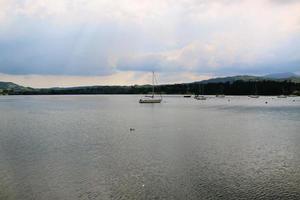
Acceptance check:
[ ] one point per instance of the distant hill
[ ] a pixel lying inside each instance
(275, 77)
(232, 79)
(10, 86)
(284, 75)
(234, 85)
(292, 79)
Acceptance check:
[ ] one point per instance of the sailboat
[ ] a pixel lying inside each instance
(282, 95)
(255, 95)
(200, 97)
(221, 95)
(151, 98)
(187, 94)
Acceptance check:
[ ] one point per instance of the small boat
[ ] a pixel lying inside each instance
(253, 96)
(282, 96)
(188, 93)
(151, 98)
(200, 97)
(221, 92)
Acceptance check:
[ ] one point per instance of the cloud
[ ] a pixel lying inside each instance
(104, 37)
(285, 1)
(220, 54)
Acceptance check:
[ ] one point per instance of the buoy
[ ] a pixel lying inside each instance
(266, 102)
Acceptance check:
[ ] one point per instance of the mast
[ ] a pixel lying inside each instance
(255, 88)
(152, 84)
(200, 89)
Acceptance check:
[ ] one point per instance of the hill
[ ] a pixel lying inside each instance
(232, 79)
(272, 77)
(284, 75)
(9, 87)
(235, 85)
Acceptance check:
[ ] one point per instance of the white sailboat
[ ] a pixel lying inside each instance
(187, 94)
(151, 98)
(282, 95)
(221, 95)
(255, 96)
(200, 97)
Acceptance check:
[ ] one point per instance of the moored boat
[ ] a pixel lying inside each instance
(282, 96)
(151, 98)
(253, 96)
(200, 97)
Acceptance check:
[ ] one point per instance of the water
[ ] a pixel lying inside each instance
(81, 147)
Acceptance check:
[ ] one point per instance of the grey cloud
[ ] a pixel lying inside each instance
(84, 44)
(284, 1)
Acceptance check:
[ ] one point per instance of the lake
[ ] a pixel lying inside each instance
(81, 147)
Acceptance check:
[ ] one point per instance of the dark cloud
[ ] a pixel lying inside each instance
(46, 48)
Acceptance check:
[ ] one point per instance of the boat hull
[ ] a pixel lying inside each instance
(200, 97)
(281, 96)
(150, 101)
(253, 96)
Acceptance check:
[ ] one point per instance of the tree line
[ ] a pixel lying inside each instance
(264, 87)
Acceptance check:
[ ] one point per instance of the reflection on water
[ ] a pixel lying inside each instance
(81, 147)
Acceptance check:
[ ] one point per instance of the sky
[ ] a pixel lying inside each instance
(61, 43)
